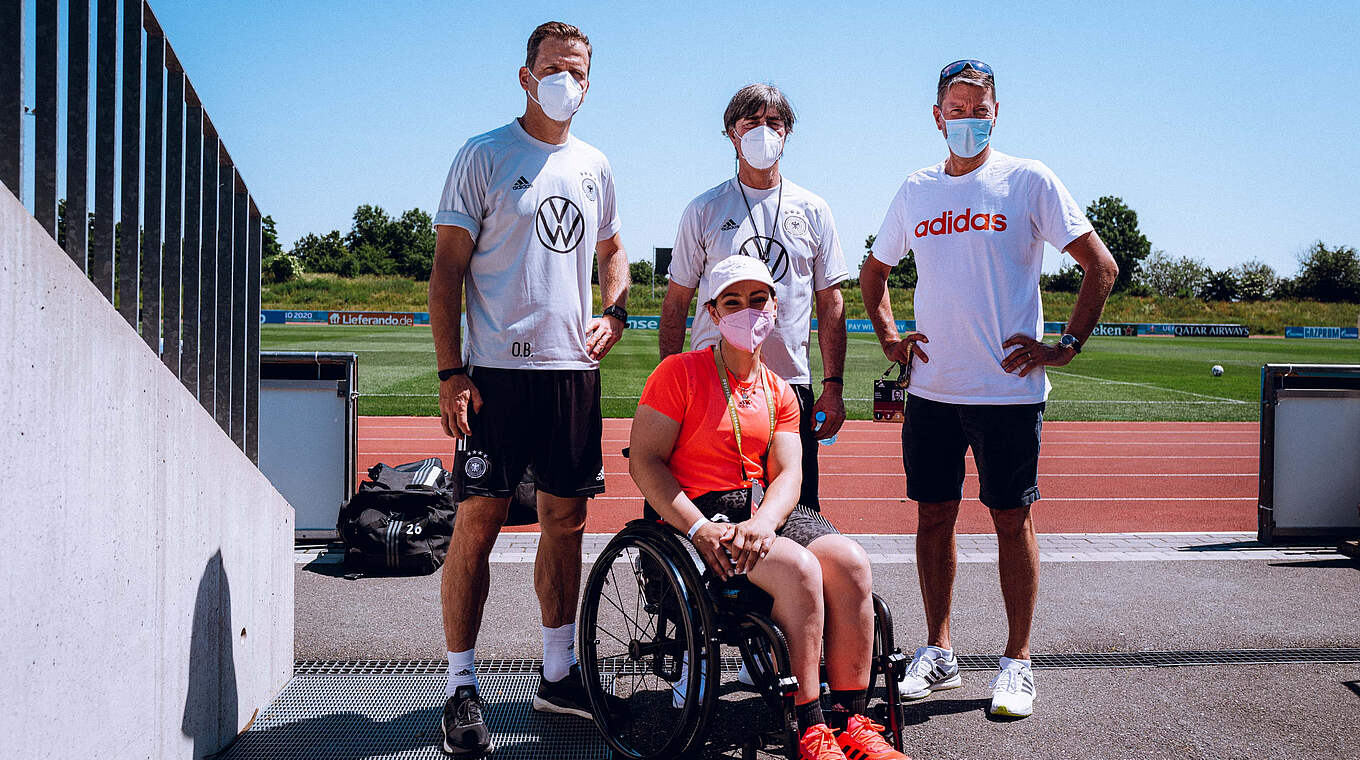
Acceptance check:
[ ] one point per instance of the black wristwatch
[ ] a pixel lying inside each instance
(445, 374)
(1070, 341)
(617, 312)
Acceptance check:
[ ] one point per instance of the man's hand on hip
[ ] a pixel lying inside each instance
(1032, 354)
(601, 335)
(831, 404)
(456, 396)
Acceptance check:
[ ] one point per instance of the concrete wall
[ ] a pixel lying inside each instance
(146, 563)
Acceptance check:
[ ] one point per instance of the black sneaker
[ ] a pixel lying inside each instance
(568, 696)
(465, 733)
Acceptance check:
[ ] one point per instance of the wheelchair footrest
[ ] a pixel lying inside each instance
(787, 686)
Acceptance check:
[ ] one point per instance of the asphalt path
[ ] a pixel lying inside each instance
(1239, 711)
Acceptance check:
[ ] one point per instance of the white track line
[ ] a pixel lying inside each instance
(1220, 399)
(1121, 499)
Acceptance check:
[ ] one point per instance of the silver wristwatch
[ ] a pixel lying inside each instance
(1070, 341)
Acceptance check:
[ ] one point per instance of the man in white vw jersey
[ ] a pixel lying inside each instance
(977, 223)
(761, 213)
(525, 209)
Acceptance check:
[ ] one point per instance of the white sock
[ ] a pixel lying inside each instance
(461, 671)
(1007, 662)
(559, 651)
(939, 654)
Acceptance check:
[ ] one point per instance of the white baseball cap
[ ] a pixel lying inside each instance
(734, 269)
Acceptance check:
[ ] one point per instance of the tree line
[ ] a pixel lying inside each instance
(1330, 274)
(378, 243)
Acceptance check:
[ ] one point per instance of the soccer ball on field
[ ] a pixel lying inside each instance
(1216, 370)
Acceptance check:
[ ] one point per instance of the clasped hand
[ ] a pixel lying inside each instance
(729, 549)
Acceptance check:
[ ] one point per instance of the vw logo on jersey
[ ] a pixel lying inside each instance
(559, 224)
(770, 251)
(589, 188)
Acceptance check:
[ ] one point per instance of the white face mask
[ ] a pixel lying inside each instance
(559, 95)
(761, 147)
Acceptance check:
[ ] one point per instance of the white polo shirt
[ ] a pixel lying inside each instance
(979, 246)
(800, 247)
(535, 211)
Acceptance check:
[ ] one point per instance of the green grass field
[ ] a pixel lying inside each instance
(326, 291)
(1113, 379)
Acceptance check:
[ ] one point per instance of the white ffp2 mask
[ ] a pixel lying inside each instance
(559, 95)
(761, 147)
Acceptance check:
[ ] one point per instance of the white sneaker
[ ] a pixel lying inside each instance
(744, 675)
(679, 688)
(1013, 690)
(928, 672)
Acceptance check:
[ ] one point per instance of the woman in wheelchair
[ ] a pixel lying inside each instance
(715, 450)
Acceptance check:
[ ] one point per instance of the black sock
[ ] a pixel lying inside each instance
(843, 704)
(809, 715)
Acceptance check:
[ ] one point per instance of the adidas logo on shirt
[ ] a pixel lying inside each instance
(521, 184)
(729, 225)
(950, 222)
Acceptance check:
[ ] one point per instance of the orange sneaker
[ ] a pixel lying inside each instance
(863, 739)
(818, 743)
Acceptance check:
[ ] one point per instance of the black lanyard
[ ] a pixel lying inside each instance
(732, 407)
(774, 226)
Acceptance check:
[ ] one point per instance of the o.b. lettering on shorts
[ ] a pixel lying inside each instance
(559, 224)
(476, 466)
(770, 251)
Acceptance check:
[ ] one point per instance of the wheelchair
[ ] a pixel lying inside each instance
(653, 622)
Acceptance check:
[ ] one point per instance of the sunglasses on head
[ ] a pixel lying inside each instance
(966, 63)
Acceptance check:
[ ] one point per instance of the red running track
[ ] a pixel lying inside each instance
(1095, 477)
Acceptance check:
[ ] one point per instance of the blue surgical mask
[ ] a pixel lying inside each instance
(967, 137)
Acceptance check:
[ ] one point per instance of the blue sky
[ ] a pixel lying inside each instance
(1224, 125)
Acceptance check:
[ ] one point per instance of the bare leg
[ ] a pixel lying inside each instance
(557, 566)
(847, 585)
(791, 575)
(936, 563)
(1018, 560)
(467, 574)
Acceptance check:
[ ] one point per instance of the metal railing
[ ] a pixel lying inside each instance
(175, 238)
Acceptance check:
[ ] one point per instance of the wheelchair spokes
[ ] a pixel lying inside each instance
(642, 641)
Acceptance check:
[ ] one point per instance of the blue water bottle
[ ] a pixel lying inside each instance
(821, 417)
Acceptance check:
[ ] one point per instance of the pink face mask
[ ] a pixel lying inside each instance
(746, 329)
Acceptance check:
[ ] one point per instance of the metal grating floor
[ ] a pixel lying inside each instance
(352, 715)
(966, 661)
(1173, 659)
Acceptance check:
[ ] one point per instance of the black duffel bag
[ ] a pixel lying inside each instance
(400, 521)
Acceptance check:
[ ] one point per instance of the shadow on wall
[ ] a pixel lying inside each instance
(211, 704)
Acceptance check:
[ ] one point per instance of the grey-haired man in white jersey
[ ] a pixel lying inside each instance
(761, 213)
(525, 209)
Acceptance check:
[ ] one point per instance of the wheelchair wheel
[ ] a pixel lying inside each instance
(645, 637)
(887, 660)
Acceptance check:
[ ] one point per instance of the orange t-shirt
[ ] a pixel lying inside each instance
(685, 387)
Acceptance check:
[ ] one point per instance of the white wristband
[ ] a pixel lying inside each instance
(701, 522)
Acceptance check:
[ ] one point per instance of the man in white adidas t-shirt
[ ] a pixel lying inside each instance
(977, 223)
(525, 209)
(761, 213)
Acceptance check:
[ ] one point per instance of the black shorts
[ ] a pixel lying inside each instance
(547, 418)
(1005, 443)
(803, 525)
(807, 497)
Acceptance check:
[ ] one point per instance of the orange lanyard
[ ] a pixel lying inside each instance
(732, 407)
